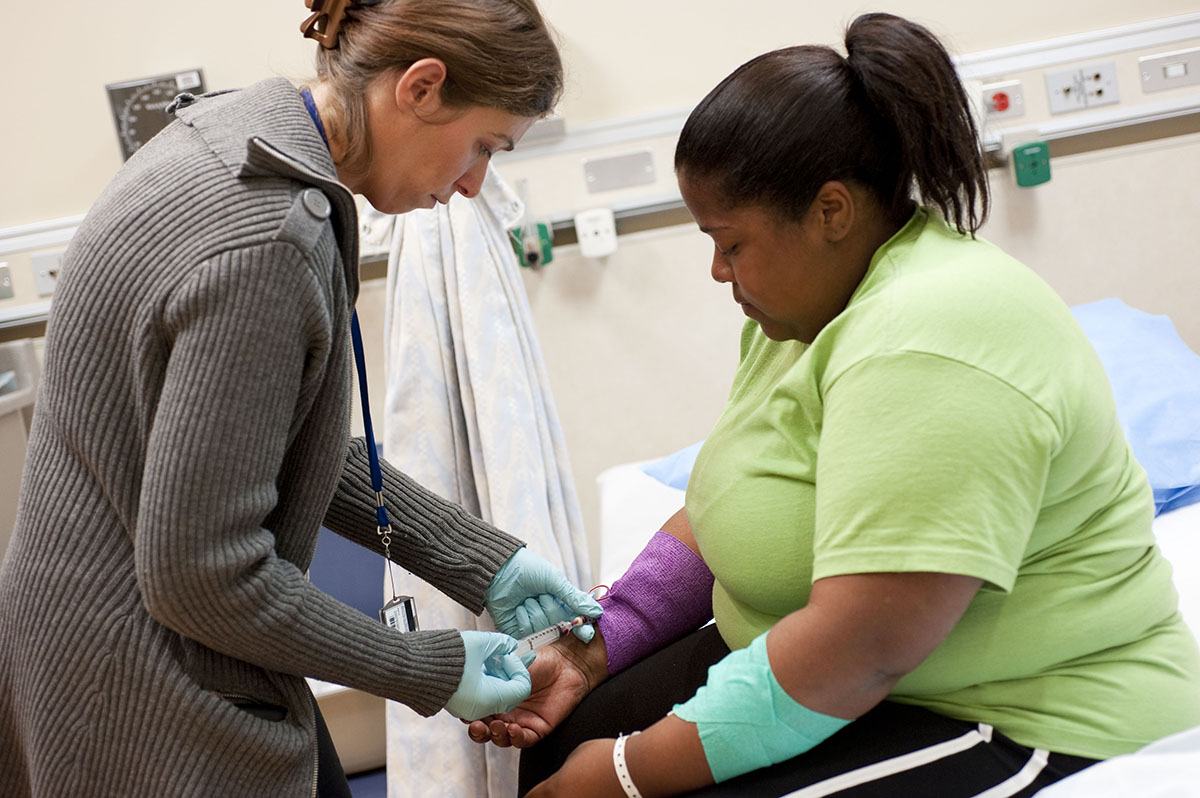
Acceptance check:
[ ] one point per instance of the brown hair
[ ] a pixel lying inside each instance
(498, 53)
(891, 115)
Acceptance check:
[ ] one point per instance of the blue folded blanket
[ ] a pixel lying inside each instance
(1156, 383)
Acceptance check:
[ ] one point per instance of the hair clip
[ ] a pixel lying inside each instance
(326, 19)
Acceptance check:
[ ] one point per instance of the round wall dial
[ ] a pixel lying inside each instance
(139, 106)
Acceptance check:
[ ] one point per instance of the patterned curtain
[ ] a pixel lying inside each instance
(469, 415)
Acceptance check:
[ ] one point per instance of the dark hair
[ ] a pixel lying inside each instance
(498, 54)
(891, 115)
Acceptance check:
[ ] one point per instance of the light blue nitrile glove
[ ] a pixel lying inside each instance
(529, 594)
(494, 679)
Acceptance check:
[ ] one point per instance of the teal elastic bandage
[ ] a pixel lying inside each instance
(745, 718)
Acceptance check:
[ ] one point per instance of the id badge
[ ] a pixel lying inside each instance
(400, 614)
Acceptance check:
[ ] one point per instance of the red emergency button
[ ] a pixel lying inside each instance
(1000, 102)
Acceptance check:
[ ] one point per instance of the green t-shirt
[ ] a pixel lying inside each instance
(954, 419)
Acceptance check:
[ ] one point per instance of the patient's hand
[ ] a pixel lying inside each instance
(563, 673)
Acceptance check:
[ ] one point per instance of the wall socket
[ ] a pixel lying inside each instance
(46, 266)
(1100, 84)
(1085, 87)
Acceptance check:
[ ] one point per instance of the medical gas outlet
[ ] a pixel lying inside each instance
(1005, 100)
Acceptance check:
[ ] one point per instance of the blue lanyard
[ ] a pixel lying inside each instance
(360, 363)
(381, 515)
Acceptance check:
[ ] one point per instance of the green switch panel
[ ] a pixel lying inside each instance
(1032, 163)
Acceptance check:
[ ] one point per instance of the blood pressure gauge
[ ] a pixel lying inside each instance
(139, 106)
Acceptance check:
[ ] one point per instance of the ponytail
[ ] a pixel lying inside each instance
(891, 116)
(910, 81)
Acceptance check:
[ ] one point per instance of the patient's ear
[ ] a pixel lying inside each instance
(835, 211)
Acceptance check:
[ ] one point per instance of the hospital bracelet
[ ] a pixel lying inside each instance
(631, 790)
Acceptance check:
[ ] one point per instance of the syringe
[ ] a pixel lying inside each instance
(530, 645)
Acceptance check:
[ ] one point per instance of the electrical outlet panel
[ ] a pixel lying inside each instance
(1003, 100)
(1086, 87)
(46, 266)
(1170, 70)
(1064, 90)
(6, 286)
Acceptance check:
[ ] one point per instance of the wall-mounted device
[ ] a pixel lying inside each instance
(1031, 163)
(596, 230)
(532, 240)
(139, 106)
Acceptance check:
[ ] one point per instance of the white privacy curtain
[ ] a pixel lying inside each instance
(469, 415)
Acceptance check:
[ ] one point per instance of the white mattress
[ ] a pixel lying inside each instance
(1178, 534)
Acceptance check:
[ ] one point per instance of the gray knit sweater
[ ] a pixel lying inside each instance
(191, 435)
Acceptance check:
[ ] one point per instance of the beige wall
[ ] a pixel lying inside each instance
(673, 51)
(1113, 222)
(624, 57)
(640, 348)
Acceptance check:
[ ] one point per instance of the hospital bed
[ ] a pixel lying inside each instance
(633, 505)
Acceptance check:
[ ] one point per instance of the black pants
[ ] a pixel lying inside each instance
(893, 750)
(331, 779)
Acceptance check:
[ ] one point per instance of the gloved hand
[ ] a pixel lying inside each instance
(494, 679)
(529, 594)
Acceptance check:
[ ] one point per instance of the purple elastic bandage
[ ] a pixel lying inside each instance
(666, 593)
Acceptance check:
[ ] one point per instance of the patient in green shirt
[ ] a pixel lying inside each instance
(925, 537)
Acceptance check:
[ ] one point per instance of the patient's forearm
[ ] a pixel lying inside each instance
(860, 634)
(665, 594)
(668, 759)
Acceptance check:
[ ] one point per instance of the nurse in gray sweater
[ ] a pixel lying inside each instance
(192, 432)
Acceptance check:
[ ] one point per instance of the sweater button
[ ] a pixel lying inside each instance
(316, 203)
